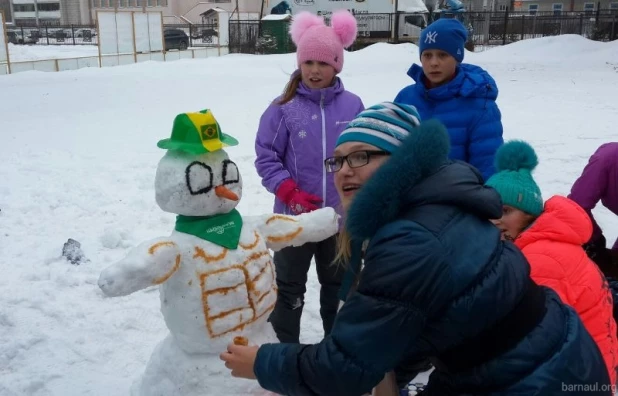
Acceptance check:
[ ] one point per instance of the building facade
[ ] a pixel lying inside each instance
(533, 6)
(84, 12)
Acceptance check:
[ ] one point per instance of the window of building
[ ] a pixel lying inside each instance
(557, 8)
(23, 7)
(502, 7)
(49, 6)
(588, 8)
(533, 8)
(613, 6)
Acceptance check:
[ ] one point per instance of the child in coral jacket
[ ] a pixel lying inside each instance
(551, 238)
(297, 133)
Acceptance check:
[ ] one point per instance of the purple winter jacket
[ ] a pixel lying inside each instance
(294, 139)
(599, 182)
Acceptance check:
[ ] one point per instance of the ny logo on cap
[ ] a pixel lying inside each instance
(431, 37)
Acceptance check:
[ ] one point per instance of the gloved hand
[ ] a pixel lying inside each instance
(297, 200)
(605, 259)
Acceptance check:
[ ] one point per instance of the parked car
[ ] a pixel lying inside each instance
(175, 39)
(17, 37)
(85, 35)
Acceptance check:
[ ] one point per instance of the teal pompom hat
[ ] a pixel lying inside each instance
(513, 180)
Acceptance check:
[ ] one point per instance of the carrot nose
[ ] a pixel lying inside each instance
(223, 192)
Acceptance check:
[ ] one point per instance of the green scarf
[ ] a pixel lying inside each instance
(223, 230)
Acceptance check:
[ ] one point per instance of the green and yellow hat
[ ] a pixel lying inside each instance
(197, 133)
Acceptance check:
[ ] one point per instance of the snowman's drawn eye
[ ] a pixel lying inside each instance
(199, 178)
(230, 172)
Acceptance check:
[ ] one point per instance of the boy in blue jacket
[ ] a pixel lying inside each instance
(461, 96)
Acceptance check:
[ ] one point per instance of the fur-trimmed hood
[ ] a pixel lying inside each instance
(420, 173)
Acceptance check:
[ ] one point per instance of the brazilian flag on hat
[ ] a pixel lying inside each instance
(197, 133)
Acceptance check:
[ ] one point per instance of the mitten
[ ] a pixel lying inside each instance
(297, 200)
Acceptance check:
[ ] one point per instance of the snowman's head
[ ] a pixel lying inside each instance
(197, 185)
(196, 177)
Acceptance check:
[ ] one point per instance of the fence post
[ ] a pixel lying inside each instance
(396, 26)
(506, 25)
(534, 27)
(191, 34)
(581, 25)
(613, 36)
(523, 26)
(486, 28)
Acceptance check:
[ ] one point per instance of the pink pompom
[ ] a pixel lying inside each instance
(301, 23)
(344, 25)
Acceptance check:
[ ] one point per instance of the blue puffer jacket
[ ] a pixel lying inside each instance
(467, 106)
(436, 273)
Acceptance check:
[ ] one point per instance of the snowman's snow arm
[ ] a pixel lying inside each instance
(150, 263)
(282, 231)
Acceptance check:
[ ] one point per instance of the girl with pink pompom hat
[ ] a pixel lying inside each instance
(297, 132)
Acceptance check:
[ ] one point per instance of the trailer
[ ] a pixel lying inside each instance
(376, 18)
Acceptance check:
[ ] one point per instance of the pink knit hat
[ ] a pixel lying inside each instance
(317, 42)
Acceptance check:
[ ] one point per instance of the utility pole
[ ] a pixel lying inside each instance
(36, 12)
(12, 12)
(396, 27)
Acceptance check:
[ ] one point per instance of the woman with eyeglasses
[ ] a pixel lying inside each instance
(437, 282)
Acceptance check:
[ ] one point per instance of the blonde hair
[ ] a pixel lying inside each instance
(290, 89)
(344, 248)
(344, 242)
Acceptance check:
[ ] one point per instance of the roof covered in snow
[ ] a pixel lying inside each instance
(213, 10)
(411, 6)
(277, 17)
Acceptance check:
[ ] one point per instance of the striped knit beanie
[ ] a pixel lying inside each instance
(384, 125)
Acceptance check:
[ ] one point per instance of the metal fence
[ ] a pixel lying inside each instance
(53, 35)
(491, 28)
(244, 36)
(197, 35)
(485, 28)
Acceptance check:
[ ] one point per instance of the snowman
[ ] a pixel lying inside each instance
(215, 272)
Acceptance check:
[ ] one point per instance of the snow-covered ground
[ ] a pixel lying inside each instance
(23, 53)
(78, 159)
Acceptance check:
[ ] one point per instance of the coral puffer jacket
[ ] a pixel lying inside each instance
(552, 245)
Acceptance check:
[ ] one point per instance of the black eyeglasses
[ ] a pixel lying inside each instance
(355, 159)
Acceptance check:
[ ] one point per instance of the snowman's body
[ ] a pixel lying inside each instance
(230, 290)
(214, 295)
(209, 293)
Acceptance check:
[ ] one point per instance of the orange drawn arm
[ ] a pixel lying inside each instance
(150, 263)
(281, 231)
